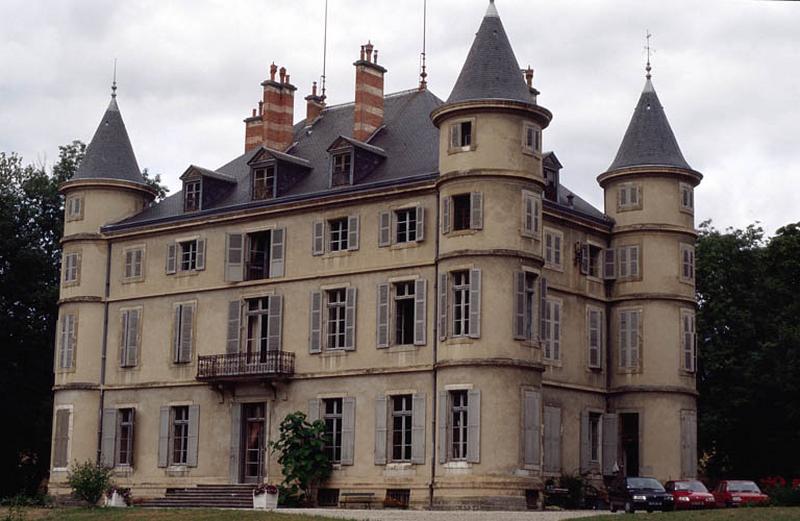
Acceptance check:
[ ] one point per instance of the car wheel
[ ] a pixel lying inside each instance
(629, 507)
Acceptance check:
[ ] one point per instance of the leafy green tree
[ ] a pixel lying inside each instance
(89, 481)
(303, 459)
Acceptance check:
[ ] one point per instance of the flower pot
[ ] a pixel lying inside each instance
(116, 500)
(265, 501)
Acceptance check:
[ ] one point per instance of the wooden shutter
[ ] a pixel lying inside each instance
(186, 340)
(200, 260)
(194, 431)
(552, 439)
(441, 430)
(536, 202)
(519, 306)
(68, 339)
(352, 232)
(624, 339)
(475, 303)
(132, 337)
(688, 444)
(382, 314)
(109, 438)
(634, 271)
(275, 323)
(163, 437)
(234, 257)
(350, 320)
(624, 268)
(595, 336)
(381, 424)
(586, 448)
(128, 270)
(62, 342)
(348, 429)
(442, 326)
(277, 253)
(542, 309)
(313, 410)
(61, 441)
(531, 427)
(236, 436)
(384, 229)
(420, 224)
(585, 253)
(318, 239)
(315, 328)
(455, 135)
(556, 325)
(474, 426)
(418, 429)
(420, 312)
(234, 316)
(527, 214)
(609, 264)
(446, 212)
(610, 440)
(636, 338)
(171, 258)
(476, 211)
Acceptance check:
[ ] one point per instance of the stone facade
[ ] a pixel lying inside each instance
(482, 330)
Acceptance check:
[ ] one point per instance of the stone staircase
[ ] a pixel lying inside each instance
(205, 496)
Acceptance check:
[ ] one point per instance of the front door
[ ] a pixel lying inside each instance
(254, 432)
(629, 442)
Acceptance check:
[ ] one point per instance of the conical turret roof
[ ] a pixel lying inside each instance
(649, 140)
(110, 154)
(491, 70)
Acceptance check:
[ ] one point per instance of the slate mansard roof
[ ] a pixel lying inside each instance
(649, 140)
(110, 154)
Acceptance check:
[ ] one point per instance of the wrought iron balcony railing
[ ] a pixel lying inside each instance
(245, 366)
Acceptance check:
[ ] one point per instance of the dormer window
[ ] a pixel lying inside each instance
(192, 195)
(264, 182)
(461, 135)
(341, 168)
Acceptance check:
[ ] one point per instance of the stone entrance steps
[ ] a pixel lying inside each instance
(205, 496)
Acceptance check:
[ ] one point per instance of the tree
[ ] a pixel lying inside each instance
(303, 459)
(89, 481)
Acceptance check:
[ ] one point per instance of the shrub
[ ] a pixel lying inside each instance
(783, 496)
(89, 481)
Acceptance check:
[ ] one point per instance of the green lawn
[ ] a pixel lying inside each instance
(722, 514)
(151, 514)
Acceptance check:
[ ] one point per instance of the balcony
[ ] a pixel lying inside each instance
(273, 365)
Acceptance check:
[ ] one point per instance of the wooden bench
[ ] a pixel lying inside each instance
(356, 498)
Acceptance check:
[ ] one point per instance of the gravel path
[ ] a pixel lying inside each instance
(444, 515)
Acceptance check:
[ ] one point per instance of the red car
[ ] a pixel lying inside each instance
(690, 493)
(736, 492)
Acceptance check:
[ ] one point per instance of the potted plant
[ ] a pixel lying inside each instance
(265, 497)
(118, 496)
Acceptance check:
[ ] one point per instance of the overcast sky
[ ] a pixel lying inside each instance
(727, 73)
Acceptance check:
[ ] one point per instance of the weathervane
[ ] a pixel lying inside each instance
(114, 82)
(422, 72)
(648, 68)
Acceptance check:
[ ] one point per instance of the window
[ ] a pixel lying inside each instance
(461, 212)
(264, 182)
(687, 263)
(337, 234)
(72, 268)
(186, 255)
(591, 258)
(67, 341)
(192, 195)
(258, 255)
(458, 424)
(61, 437)
(552, 248)
(628, 261)
(629, 197)
(595, 441)
(188, 260)
(130, 335)
(687, 197)
(531, 213)
(532, 138)
(183, 333)
(336, 318)
(552, 439)
(461, 135)
(404, 313)
(401, 427)
(341, 167)
(74, 208)
(180, 435)
(552, 329)
(406, 230)
(134, 261)
(594, 328)
(332, 416)
(629, 338)
(461, 289)
(688, 341)
(525, 305)
(125, 419)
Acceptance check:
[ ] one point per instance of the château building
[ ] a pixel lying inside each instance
(412, 271)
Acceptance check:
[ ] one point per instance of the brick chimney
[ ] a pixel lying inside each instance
(368, 111)
(271, 125)
(314, 104)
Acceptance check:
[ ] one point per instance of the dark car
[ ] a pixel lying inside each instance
(739, 492)
(690, 493)
(632, 494)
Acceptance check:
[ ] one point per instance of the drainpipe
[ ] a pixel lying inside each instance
(432, 484)
(104, 350)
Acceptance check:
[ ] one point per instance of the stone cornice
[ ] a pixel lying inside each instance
(692, 177)
(491, 362)
(654, 296)
(78, 300)
(654, 227)
(536, 112)
(76, 386)
(493, 252)
(671, 389)
(86, 236)
(108, 183)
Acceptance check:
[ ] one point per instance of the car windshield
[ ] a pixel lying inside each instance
(645, 484)
(693, 486)
(742, 486)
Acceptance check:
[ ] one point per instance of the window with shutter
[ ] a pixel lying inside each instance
(629, 197)
(687, 263)
(629, 338)
(61, 438)
(129, 337)
(332, 416)
(125, 431)
(594, 327)
(628, 261)
(71, 268)
(405, 225)
(461, 136)
(401, 425)
(531, 213)
(338, 234)
(74, 208)
(531, 427)
(552, 329)
(67, 341)
(183, 332)
(553, 240)
(384, 229)
(133, 269)
(179, 435)
(688, 341)
(552, 439)
(459, 432)
(686, 197)
(186, 256)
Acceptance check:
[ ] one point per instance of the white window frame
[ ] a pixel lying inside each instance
(407, 430)
(684, 250)
(688, 340)
(553, 257)
(197, 194)
(340, 320)
(133, 276)
(337, 417)
(410, 225)
(625, 193)
(342, 243)
(269, 181)
(552, 341)
(686, 188)
(464, 289)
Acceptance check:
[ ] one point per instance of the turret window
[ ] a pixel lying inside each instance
(192, 196)
(264, 182)
(630, 338)
(531, 213)
(629, 197)
(687, 197)
(531, 139)
(687, 263)
(462, 212)
(551, 327)
(688, 341)
(462, 136)
(628, 260)
(72, 268)
(74, 208)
